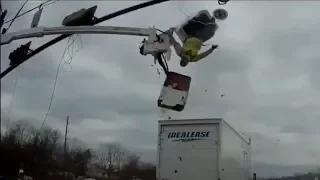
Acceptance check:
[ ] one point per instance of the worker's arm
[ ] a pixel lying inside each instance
(204, 54)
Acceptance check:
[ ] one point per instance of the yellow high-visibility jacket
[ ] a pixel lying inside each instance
(191, 47)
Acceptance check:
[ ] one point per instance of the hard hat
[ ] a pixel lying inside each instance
(220, 14)
(21, 171)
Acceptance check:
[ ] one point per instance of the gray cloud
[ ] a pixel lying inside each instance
(266, 67)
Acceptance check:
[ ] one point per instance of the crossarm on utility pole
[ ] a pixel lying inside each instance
(43, 31)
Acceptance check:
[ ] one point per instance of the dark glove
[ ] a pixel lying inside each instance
(214, 46)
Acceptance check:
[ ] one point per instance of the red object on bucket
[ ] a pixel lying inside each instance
(178, 81)
(176, 85)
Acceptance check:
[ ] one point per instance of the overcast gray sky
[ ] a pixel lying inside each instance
(267, 66)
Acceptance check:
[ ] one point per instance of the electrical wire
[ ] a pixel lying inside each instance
(15, 17)
(68, 61)
(12, 97)
(67, 48)
(71, 50)
(9, 14)
(162, 60)
(39, 6)
(2, 15)
(94, 22)
(52, 95)
(165, 61)
(76, 40)
(56, 79)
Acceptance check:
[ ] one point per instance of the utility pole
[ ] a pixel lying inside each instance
(65, 148)
(65, 137)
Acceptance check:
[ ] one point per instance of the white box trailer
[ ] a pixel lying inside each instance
(202, 149)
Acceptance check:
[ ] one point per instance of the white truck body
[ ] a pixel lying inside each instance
(202, 149)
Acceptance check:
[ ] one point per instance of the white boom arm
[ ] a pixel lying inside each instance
(151, 46)
(43, 31)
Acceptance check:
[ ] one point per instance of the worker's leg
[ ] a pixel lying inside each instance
(177, 47)
(197, 22)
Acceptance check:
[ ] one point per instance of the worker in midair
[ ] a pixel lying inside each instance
(197, 30)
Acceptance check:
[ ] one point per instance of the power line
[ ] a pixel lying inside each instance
(11, 102)
(11, 13)
(71, 52)
(54, 89)
(94, 22)
(52, 95)
(39, 6)
(15, 17)
(55, 85)
(2, 15)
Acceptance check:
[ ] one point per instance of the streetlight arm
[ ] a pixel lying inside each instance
(153, 45)
(67, 30)
(94, 22)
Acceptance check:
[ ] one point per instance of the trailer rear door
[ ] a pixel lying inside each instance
(188, 152)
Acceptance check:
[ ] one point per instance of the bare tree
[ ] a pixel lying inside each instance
(74, 143)
(19, 133)
(120, 154)
(110, 157)
(133, 161)
(131, 168)
(39, 154)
